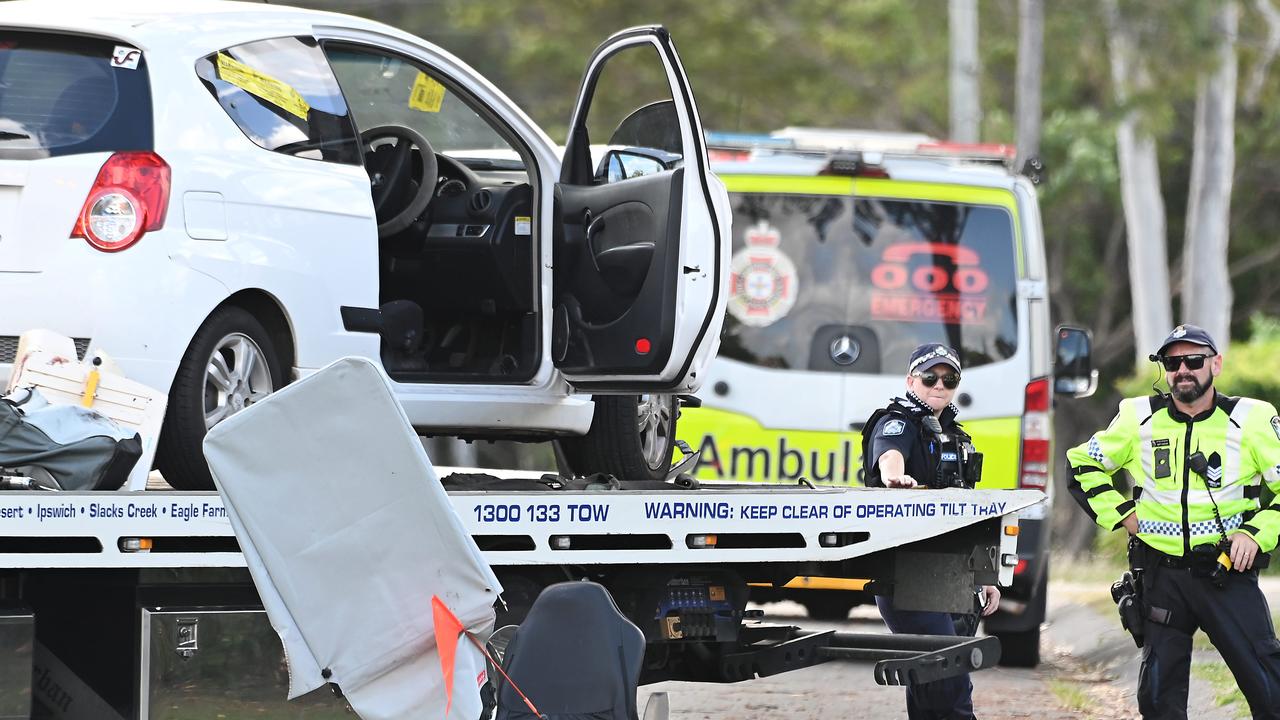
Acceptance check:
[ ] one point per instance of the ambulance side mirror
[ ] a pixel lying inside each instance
(1073, 371)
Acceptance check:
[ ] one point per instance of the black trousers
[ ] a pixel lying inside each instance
(949, 699)
(1236, 619)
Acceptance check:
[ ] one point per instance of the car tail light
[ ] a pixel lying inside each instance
(129, 198)
(1034, 470)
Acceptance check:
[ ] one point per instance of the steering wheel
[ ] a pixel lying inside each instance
(391, 175)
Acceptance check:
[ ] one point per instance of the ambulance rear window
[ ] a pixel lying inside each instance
(64, 95)
(839, 284)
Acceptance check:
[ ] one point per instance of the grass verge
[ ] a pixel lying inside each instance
(1071, 695)
(1225, 691)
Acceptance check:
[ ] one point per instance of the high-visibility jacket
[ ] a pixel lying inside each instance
(1239, 439)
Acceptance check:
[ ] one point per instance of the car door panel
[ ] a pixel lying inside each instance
(616, 255)
(638, 263)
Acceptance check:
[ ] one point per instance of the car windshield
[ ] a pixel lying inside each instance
(61, 96)
(891, 274)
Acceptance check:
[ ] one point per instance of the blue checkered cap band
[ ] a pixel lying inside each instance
(928, 355)
(1207, 527)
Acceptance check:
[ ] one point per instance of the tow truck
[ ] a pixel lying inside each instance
(138, 604)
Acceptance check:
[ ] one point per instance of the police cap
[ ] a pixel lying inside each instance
(930, 354)
(1193, 334)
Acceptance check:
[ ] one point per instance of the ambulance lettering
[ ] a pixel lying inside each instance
(783, 462)
(946, 289)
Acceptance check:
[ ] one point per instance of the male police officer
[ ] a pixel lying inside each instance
(916, 441)
(1198, 459)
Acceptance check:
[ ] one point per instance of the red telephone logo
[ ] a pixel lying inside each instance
(893, 273)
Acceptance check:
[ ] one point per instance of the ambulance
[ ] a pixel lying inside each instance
(849, 250)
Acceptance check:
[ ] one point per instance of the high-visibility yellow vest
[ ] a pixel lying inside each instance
(1239, 439)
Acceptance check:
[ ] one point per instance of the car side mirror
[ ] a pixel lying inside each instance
(619, 165)
(1073, 371)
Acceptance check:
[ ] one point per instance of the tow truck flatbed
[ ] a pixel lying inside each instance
(712, 524)
(155, 583)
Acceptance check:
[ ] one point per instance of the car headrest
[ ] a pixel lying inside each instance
(574, 654)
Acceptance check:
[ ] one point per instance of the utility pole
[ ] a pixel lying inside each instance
(1027, 113)
(966, 103)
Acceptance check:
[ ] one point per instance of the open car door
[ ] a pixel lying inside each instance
(642, 227)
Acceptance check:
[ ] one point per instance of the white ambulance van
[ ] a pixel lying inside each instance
(849, 250)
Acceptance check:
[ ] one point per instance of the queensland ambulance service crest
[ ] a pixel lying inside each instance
(762, 278)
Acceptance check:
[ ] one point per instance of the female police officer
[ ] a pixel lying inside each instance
(915, 441)
(1198, 459)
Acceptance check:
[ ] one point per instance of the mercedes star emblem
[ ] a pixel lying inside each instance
(845, 350)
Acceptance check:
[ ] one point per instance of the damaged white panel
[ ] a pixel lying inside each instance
(348, 533)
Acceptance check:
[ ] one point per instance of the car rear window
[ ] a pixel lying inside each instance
(64, 95)
(284, 97)
(891, 274)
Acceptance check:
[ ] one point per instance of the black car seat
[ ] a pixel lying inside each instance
(575, 656)
(403, 333)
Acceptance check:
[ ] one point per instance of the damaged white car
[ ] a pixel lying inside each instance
(230, 196)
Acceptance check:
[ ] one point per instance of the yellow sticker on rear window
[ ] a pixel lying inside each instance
(427, 94)
(264, 86)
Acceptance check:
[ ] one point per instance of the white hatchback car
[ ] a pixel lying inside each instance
(227, 196)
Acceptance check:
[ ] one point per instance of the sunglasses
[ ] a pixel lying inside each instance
(1172, 362)
(950, 381)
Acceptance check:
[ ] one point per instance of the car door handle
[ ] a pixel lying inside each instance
(594, 225)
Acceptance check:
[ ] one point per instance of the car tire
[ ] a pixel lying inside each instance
(229, 364)
(1020, 649)
(829, 605)
(632, 437)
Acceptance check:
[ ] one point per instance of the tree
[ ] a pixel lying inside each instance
(966, 101)
(1140, 189)
(1206, 286)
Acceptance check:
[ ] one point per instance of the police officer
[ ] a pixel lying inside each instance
(916, 441)
(1198, 459)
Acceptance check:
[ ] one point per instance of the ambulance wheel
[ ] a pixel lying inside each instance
(229, 365)
(829, 605)
(632, 437)
(1020, 649)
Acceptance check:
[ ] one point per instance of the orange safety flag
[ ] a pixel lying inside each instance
(447, 628)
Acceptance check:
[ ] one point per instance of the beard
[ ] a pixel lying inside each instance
(1191, 393)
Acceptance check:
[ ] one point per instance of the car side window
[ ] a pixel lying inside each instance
(632, 124)
(384, 89)
(284, 97)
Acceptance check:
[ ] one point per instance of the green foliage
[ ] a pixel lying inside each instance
(1248, 366)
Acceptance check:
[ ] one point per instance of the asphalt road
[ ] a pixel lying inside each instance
(1089, 670)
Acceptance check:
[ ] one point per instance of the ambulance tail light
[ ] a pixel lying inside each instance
(1033, 471)
(129, 198)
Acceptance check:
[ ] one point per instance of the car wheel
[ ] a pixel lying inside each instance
(632, 437)
(229, 365)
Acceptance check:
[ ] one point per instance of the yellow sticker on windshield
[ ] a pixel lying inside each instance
(427, 94)
(264, 86)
